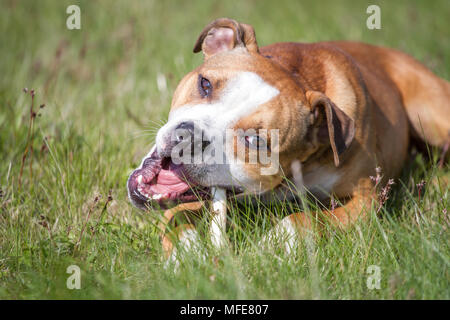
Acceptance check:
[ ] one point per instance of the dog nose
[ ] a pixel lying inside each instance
(185, 128)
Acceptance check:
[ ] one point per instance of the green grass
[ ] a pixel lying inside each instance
(102, 106)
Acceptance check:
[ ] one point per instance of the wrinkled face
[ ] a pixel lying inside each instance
(235, 123)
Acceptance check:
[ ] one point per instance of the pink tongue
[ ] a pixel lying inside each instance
(168, 182)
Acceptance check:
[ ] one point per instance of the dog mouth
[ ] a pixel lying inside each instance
(161, 183)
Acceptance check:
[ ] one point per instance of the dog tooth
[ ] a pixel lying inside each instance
(140, 178)
(157, 196)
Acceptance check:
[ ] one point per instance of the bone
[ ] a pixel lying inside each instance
(219, 219)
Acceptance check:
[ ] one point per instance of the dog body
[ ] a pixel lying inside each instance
(340, 109)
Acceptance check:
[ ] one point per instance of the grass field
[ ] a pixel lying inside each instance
(107, 87)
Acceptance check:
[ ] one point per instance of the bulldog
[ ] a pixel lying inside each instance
(337, 110)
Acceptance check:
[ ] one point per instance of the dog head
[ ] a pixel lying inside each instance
(236, 122)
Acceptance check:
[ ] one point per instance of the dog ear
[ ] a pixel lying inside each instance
(339, 128)
(225, 34)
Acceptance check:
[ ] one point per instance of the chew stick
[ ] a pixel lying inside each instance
(219, 218)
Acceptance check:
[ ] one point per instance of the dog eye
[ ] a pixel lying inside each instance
(255, 142)
(204, 86)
